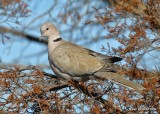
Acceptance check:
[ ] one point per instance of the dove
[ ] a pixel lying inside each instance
(72, 61)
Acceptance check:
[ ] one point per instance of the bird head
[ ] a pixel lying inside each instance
(48, 30)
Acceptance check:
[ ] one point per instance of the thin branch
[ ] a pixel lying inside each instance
(59, 87)
(50, 75)
(18, 33)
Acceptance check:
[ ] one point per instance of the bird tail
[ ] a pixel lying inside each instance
(119, 80)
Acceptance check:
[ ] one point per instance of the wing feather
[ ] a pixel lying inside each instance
(75, 60)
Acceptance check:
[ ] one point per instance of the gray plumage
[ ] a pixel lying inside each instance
(71, 61)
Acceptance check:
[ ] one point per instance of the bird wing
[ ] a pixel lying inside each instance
(74, 60)
(110, 59)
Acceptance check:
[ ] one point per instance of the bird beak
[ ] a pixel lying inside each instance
(42, 36)
(42, 33)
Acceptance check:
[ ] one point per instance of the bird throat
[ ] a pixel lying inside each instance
(53, 43)
(57, 40)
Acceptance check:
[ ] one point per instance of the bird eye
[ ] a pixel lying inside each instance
(47, 28)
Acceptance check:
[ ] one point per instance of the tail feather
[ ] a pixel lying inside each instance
(120, 80)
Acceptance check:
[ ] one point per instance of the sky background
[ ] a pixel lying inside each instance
(19, 50)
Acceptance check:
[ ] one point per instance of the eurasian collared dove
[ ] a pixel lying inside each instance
(71, 61)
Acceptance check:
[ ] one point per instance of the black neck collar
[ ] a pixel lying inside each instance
(58, 39)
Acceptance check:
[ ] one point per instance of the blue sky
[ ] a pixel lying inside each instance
(19, 50)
